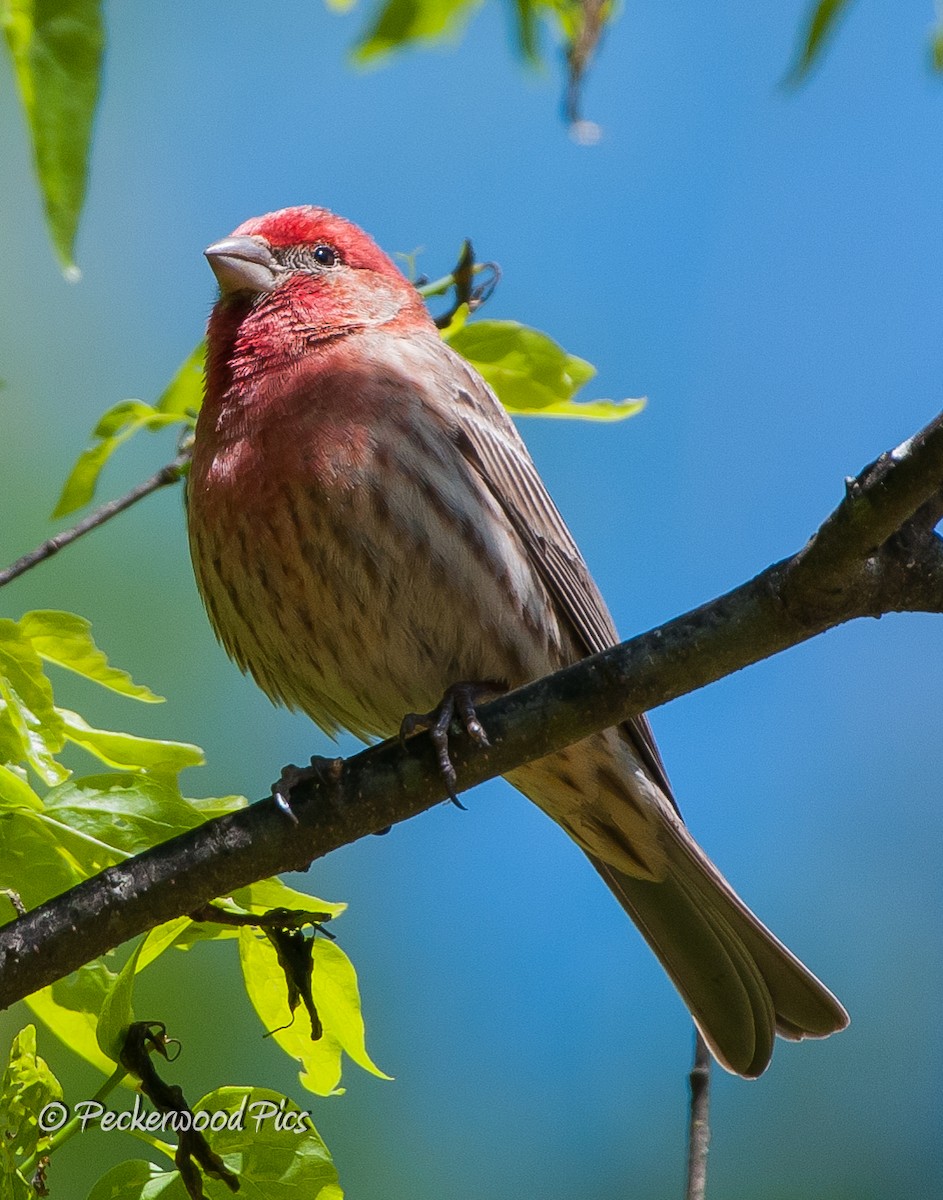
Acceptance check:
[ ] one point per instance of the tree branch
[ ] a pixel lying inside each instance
(876, 553)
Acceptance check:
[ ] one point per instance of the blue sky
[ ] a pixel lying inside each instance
(765, 265)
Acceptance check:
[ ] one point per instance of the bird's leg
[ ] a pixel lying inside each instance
(326, 771)
(458, 703)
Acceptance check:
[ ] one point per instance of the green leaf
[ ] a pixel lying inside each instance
(91, 823)
(79, 488)
(401, 23)
(40, 859)
(178, 405)
(114, 427)
(531, 374)
(66, 640)
(70, 1007)
(337, 997)
(160, 939)
(31, 730)
(56, 46)
(526, 13)
(126, 751)
(334, 987)
(273, 1162)
(117, 1011)
(88, 824)
(267, 990)
(136, 1179)
(183, 396)
(12, 1184)
(15, 792)
(13, 743)
(121, 813)
(458, 320)
(126, 414)
(118, 424)
(28, 1085)
(821, 24)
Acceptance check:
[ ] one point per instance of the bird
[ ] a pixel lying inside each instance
(370, 535)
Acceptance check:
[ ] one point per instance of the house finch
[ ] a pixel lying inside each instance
(368, 531)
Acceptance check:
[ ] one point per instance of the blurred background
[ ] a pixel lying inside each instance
(763, 263)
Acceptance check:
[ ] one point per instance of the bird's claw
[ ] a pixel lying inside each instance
(322, 770)
(457, 703)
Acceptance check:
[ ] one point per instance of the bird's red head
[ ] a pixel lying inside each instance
(307, 226)
(295, 278)
(294, 248)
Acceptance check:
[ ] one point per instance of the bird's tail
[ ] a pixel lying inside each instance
(740, 982)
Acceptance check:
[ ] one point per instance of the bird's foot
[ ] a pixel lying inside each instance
(458, 704)
(326, 771)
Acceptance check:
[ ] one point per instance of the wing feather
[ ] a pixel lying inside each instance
(491, 444)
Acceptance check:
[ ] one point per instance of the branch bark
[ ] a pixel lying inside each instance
(876, 553)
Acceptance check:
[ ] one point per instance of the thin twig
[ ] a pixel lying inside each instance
(699, 1129)
(167, 475)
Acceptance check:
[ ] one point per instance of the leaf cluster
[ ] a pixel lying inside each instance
(57, 829)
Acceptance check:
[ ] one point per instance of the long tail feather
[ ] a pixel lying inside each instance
(740, 982)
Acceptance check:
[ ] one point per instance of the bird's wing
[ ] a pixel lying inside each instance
(491, 444)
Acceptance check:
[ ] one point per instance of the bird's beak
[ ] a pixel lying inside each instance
(243, 264)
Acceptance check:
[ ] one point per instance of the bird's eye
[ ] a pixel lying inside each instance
(325, 256)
